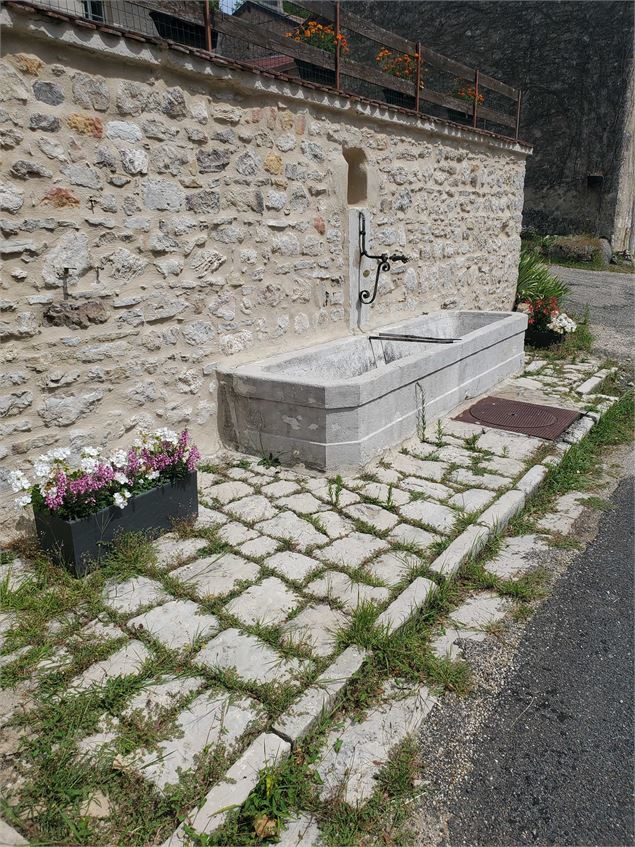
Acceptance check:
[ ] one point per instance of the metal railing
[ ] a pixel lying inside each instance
(316, 42)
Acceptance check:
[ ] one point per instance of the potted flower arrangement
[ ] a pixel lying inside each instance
(80, 508)
(402, 66)
(546, 324)
(464, 92)
(324, 38)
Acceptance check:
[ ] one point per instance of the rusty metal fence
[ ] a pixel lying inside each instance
(313, 42)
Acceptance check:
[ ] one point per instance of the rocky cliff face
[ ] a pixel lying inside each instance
(572, 61)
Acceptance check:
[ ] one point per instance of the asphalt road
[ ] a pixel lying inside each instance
(611, 301)
(554, 765)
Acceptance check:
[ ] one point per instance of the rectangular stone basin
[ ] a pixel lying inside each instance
(336, 405)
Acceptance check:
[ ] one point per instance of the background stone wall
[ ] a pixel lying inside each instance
(159, 218)
(573, 62)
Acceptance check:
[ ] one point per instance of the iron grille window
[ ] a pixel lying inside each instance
(94, 10)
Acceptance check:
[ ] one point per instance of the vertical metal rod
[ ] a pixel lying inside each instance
(337, 45)
(518, 114)
(474, 117)
(418, 76)
(208, 26)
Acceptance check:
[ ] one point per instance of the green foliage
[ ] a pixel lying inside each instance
(535, 281)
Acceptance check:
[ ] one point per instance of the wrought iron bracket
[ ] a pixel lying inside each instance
(367, 296)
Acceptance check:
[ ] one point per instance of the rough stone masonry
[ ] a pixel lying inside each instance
(161, 214)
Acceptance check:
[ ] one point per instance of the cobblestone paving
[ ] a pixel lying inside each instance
(255, 603)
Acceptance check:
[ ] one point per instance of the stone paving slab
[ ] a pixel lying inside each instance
(280, 488)
(127, 661)
(472, 500)
(209, 518)
(384, 493)
(428, 489)
(9, 837)
(304, 504)
(258, 547)
(213, 718)
(334, 525)
(217, 575)
(252, 659)
(160, 696)
(172, 551)
(339, 586)
(354, 753)
(405, 533)
(391, 568)
(519, 447)
(480, 611)
(15, 573)
(409, 466)
(353, 550)
(235, 533)
(225, 492)
(241, 778)
(517, 555)
(374, 516)
(503, 465)
(268, 603)
(256, 507)
(7, 621)
(301, 831)
(315, 628)
(568, 510)
(442, 518)
(133, 594)
(177, 624)
(463, 476)
(293, 566)
(288, 526)
(98, 630)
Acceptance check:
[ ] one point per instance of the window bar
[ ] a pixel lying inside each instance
(418, 76)
(337, 45)
(208, 26)
(474, 117)
(518, 114)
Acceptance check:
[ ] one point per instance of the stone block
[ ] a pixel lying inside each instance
(160, 696)
(171, 550)
(315, 628)
(252, 659)
(480, 611)
(288, 526)
(213, 718)
(133, 594)
(464, 547)
(293, 566)
(319, 700)
(353, 550)
(252, 508)
(127, 661)
(429, 489)
(216, 576)
(404, 533)
(532, 480)
(354, 753)
(240, 780)
(503, 510)
(472, 500)
(269, 603)
(375, 516)
(411, 599)
(440, 517)
(517, 554)
(349, 593)
(177, 624)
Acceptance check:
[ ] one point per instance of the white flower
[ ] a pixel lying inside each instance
(42, 468)
(60, 453)
(153, 474)
(23, 501)
(166, 435)
(92, 452)
(121, 498)
(119, 459)
(562, 323)
(88, 464)
(18, 481)
(121, 477)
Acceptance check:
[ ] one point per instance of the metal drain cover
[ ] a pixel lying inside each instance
(499, 413)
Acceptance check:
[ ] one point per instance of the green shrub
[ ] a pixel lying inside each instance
(535, 280)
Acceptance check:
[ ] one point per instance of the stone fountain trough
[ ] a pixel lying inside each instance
(336, 405)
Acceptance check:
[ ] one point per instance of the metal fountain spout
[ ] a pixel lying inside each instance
(383, 262)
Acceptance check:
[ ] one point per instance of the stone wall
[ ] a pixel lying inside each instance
(166, 214)
(573, 62)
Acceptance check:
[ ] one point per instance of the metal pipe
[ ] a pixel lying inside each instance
(208, 26)
(474, 119)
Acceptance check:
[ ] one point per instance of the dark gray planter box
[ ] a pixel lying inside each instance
(81, 545)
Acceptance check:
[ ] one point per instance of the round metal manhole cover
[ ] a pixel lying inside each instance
(508, 414)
